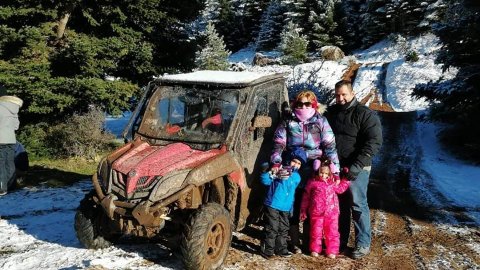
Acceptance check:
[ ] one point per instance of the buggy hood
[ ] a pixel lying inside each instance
(145, 162)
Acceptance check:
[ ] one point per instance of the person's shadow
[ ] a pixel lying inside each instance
(253, 234)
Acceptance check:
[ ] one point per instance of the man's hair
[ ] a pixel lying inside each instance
(342, 83)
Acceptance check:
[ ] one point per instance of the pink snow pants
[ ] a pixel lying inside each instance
(327, 225)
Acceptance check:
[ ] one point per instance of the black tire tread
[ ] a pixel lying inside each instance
(85, 226)
(193, 238)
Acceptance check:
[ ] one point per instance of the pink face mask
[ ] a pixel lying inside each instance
(304, 114)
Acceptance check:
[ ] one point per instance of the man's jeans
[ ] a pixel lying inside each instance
(353, 203)
(7, 166)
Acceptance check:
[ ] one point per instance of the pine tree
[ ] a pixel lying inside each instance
(251, 18)
(365, 22)
(271, 26)
(349, 12)
(227, 24)
(59, 56)
(457, 101)
(214, 55)
(374, 22)
(293, 45)
(323, 28)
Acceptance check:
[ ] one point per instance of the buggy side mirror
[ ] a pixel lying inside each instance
(261, 121)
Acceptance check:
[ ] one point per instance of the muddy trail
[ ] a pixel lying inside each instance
(413, 226)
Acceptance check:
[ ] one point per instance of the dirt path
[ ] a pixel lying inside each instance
(413, 227)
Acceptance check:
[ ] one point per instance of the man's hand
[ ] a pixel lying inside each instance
(303, 216)
(349, 174)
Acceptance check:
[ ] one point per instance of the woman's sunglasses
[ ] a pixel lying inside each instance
(299, 104)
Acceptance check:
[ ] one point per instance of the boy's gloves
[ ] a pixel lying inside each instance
(276, 167)
(303, 216)
(284, 173)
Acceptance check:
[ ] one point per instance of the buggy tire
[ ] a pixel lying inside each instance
(206, 238)
(88, 224)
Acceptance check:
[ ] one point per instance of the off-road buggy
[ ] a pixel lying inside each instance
(191, 168)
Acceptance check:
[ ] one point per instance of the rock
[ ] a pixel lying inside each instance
(332, 53)
(238, 67)
(262, 60)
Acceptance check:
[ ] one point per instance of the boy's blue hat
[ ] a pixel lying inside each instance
(265, 166)
(298, 153)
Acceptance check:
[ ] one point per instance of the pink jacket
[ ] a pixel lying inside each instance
(320, 198)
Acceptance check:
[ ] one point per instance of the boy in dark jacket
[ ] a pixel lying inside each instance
(278, 203)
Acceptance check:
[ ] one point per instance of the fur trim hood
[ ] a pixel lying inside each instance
(12, 99)
(321, 108)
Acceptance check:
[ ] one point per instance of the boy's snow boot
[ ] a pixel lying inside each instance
(294, 239)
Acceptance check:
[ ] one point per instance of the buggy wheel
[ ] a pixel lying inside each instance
(206, 238)
(89, 220)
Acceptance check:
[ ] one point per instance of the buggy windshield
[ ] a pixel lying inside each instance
(190, 114)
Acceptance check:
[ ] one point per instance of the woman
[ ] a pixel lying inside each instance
(308, 129)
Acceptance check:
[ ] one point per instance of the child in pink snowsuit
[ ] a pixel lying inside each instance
(320, 203)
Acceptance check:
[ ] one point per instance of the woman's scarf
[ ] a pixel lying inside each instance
(303, 114)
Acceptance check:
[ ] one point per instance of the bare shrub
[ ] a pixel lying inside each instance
(82, 136)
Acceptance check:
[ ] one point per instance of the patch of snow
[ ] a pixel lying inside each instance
(367, 79)
(444, 259)
(453, 178)
(244, 56)
(317, 73)
(388, 50)
(380, 223)
(215, 76)
(36, 232)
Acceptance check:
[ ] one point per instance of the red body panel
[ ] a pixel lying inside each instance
(145, 160)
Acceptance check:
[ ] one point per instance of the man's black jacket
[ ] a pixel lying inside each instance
(358, 134)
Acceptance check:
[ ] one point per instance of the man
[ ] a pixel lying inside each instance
(358, 135)
(9, 107)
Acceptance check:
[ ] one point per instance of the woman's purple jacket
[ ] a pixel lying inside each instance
(315, 136)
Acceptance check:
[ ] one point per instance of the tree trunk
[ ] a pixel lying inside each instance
(62, 24)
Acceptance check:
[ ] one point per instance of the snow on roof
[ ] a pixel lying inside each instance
(218, 77)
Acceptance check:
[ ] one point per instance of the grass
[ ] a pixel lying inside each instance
(58, 172)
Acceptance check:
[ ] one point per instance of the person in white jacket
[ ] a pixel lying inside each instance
(9, 123)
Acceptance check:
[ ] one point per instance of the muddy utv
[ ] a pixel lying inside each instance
(191, 166)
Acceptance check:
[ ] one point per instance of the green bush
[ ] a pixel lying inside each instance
(34, 138)
(412, 56)
(293, 45)
(83, 135)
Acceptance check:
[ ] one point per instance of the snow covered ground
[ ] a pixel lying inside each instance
(36, 225)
